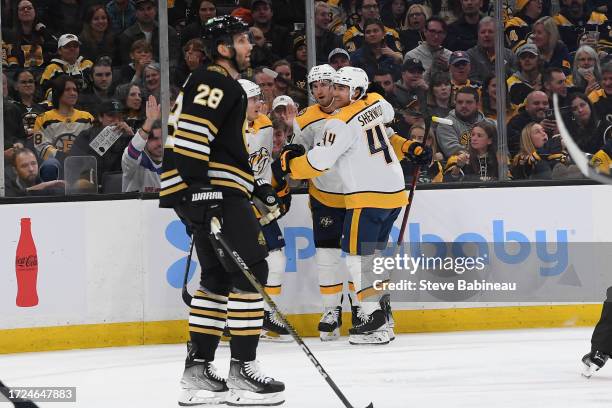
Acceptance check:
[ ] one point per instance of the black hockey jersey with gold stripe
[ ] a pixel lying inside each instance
(207, 137)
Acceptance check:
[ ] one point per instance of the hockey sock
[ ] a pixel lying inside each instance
(276, 269)
(206, 322)
(330, 276)
(244, 318)
(366, 294)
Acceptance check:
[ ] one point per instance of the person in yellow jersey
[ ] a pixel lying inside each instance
(355, 143)
(259, 136)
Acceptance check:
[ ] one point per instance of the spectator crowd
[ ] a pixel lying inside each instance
(82, 78)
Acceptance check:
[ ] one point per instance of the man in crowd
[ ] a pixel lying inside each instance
(101, 90)
(527, 78)
(459, 66)
(276, 35)
(69, 63)
(455, 138)
(146, 27)
(482, 55)
(26, 180)
(326, 41)
(535, 110)
(575, 18)
(554, 81)
(339, 58)
(432, 55)
(463, 33)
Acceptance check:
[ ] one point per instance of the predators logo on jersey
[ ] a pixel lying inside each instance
(260, 160)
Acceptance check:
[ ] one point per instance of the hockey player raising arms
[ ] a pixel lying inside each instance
(355, 142)
(326, 202)
(207, 175)
(260, 141)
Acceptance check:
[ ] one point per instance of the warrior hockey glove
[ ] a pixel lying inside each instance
(280, 167)
(284, 194)
(266, 201)
(417, 153)
(198, 207)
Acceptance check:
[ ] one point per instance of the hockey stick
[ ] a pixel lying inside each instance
(6, 391)
(578, 156)
(215, 227)
(185, 294)
(415, 177)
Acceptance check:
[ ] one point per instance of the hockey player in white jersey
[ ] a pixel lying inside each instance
(259, 137)
(326, 203)
(356, 145)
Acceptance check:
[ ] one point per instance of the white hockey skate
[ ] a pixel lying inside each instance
(373, 329)
(592, 362)
(249, 387)
(330, 323)
(274, 329)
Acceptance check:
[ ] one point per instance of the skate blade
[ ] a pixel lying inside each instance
(330, 336)
(588, 370)
(245, 398)
(201, 398)
(391, 334)
(274, 337)
(374, 338)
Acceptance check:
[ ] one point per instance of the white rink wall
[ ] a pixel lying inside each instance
(111, 261)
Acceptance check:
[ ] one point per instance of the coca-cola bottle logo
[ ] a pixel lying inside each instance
(27, 261)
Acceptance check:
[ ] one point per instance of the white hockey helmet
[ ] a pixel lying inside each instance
(354, 78)
(251, 88)
(321, 73)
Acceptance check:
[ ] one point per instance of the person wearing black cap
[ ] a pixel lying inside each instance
(203, 181)
(146, 27)
(109, 119)
(412, 85)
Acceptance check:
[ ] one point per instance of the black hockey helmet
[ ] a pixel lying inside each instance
(221, 30)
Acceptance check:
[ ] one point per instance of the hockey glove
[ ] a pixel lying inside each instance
(417, 153)
(266, 201)
(280, 167)
(198, 207)
(284, 194)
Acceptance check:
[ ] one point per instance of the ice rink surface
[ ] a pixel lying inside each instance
(514, 368)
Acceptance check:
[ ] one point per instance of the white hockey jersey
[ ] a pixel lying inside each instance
(356, 145)
(308, 131)
(259, 138)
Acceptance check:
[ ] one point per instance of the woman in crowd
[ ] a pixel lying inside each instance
(586, 128)
(553, 52)
(586, 72)
(152, 80)
(374, 54)
(29, 45)
(393, 13)
(413, 27)
(130, 95)
(193, 58)
(439, 94)
(27, 98)
(97, 38)
(528, 164)
(489, 99)
(480, 162)
(206, 10)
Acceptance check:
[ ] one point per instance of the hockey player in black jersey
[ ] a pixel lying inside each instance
(207, 175)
